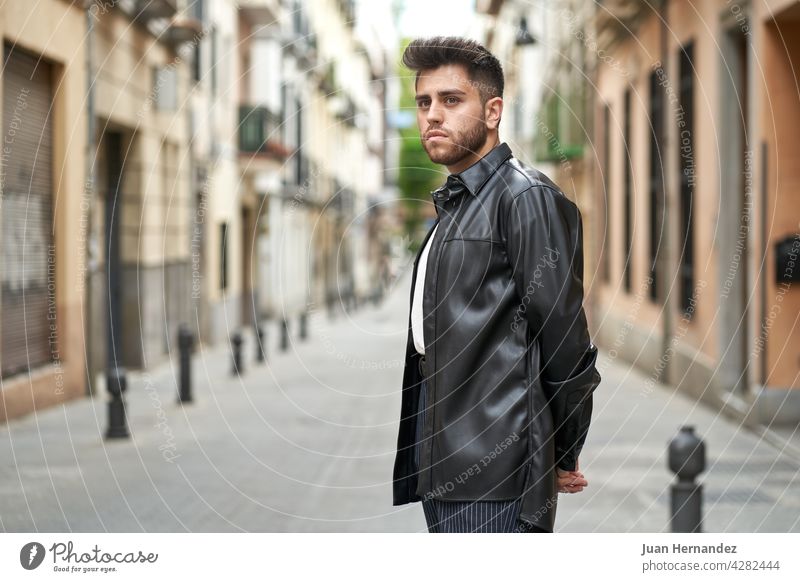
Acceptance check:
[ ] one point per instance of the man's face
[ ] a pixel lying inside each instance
(450, 115)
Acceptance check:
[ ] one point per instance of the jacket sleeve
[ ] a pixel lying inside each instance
(544, 241)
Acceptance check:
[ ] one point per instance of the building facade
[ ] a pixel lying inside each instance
(42, 183)
(202, 162)
(138, 213)
(695, 172)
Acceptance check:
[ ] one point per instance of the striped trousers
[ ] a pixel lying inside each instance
(475, 517)
(468, 516)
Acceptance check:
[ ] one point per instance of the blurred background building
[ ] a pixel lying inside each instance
(698, 156)
(233, 154)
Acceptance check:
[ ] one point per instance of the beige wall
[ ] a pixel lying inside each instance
(635, 57)
(698, 22)
(54, 29)
(156, 188)
(778, 116)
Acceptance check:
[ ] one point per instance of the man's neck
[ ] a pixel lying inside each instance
(462, 165)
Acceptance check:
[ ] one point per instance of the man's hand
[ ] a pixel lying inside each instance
(571, 481)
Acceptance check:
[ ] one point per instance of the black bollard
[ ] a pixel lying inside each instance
(303, 325)
(687, 459)
(330, 305)
(117, 423)
(185, 343)
(284, 335)
(261, 349)
(237, 341)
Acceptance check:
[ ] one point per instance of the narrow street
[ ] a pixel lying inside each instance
(306, 442)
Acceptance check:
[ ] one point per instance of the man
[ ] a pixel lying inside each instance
(500, 369)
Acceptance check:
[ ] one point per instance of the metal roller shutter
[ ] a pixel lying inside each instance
(28, 261)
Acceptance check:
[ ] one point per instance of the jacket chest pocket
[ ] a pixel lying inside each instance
(468, 264)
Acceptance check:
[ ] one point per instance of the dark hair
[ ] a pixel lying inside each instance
(482, 66)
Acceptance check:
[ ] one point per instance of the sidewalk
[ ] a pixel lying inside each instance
(749, 485)
(306, 442)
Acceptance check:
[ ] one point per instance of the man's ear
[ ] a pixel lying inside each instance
(493, 111)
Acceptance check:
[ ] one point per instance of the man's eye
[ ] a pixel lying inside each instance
(452, 100)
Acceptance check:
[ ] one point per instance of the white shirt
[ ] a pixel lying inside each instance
(416, 304)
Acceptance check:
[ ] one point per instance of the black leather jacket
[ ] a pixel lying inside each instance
(509, 363)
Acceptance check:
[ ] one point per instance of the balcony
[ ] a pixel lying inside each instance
(301, 43)
(618, 19)
(147, 10)
(344, 108)
(342, 202)
(488, 7)
(348, 10)
(182, 30)
(260, 12)
(325, 77)
(260, 133)
(559, 129)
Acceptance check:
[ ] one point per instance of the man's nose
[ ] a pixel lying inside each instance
(434, 113)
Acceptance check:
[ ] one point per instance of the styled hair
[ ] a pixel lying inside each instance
(484, 69)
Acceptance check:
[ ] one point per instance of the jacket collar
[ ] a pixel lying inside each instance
(478, 173)
(473, 178)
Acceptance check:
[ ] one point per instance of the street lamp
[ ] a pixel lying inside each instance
(524, 36)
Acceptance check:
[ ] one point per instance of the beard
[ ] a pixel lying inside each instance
(458, 145)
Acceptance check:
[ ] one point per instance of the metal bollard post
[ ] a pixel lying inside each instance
(185, 343)
(284, 335)
(261, 349)
(303, 325)
(117, 422)
(687, 459)
(237, 341)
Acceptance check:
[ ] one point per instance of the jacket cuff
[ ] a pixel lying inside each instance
(568, 464)
(567, 459)
(571, 406)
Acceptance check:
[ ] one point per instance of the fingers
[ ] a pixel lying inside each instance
(567, 488)
(569, 474)
(571, 481)
(571, 490)
(576, 481)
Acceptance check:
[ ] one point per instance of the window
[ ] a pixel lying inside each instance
(223, 256)
(214, 57)
(686, 166)
(628, 195)
(656, 180)
(197, 10)
(197, 70)
(165, 88)
(298, 157)
(606, 269)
